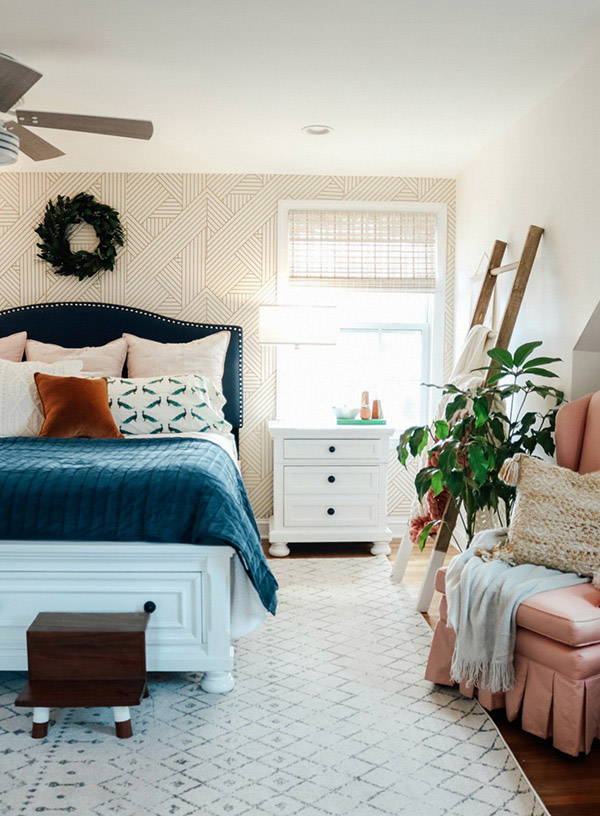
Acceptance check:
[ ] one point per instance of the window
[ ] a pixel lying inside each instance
(388, 289)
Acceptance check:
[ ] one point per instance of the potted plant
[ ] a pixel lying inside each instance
(481, 428)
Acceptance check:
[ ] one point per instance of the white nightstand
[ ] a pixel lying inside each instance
(330, 484)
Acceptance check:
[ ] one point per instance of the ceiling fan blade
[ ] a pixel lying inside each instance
(33, 145)
(106, 125)
(15, 80)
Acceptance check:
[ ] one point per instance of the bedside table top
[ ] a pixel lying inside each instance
(325, 430)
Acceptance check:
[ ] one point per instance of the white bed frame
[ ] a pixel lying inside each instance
(190, 585)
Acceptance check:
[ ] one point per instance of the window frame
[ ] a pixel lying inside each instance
(435, 334)
(424, 330)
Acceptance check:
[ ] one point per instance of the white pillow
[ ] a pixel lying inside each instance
(20, 408)
(147, 358)
(101, 361)
(179, 404)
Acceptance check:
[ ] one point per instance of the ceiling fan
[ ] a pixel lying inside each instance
(15, 80)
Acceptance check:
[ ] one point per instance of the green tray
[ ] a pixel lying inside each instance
(361, 422)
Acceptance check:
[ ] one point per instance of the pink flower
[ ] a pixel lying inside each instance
(416, 527)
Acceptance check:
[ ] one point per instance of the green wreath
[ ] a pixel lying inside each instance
(55, 230)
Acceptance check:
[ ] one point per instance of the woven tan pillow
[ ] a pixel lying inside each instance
(556, 518)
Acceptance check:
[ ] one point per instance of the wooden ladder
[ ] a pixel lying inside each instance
(494, 270)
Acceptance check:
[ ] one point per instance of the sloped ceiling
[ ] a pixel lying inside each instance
(410, 87)
(589, 339)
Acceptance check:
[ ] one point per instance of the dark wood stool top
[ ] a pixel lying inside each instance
(85, 660)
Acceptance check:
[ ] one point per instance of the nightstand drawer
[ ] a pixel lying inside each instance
(332, 450)
(313, 511)
(328, 481)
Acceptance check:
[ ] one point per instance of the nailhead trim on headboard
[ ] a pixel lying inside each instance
(117, 307)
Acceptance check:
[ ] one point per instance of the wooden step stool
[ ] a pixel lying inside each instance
(86, 660)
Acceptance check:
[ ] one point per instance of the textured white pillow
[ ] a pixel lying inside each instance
(101, 361)
(13, 346)
(181, 404)
(20, 408)
(556, 518)
(147, 358)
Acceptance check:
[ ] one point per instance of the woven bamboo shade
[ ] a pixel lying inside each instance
(364, 250)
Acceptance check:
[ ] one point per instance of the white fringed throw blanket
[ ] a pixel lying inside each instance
(483, 597)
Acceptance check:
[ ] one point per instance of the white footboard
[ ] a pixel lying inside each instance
(190, 585)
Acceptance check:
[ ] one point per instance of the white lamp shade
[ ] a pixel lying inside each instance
(298, 325)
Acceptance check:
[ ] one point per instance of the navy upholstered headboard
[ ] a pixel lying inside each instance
(93, 324)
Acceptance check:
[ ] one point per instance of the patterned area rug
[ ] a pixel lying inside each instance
(330, 715)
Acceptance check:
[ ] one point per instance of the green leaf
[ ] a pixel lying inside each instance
(442, 430)
(541, 372)
(457, 404)
(527, 422)
(497, 375)
(538, 361)
(423, 481)
(405, 435)
(425, 533)
(498, 429)
(502, 356)
(447, 459)
(415, 440)
(546, 441)
(437, 483)
(454, 482)
(480, 409)
(523, 352)
(479, 464)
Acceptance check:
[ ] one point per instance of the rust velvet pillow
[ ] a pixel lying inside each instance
(75, 407)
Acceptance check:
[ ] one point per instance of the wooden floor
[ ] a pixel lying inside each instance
(568, 786)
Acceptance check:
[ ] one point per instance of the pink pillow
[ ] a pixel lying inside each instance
(206, 357)
(590, 448)
(101, 361)
(13, 346)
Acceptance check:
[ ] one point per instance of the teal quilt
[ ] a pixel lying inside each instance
(165, 490)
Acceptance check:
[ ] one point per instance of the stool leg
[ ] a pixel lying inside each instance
(39, 728)
(122, 722)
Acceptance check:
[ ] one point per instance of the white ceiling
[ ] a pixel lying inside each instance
(412, 87)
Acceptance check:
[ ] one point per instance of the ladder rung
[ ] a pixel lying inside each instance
(500, 270)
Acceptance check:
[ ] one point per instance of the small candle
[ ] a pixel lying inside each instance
(365, 409)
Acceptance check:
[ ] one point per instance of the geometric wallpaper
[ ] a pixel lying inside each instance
(201, 247)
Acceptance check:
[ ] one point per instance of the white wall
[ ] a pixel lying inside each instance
(544, 170)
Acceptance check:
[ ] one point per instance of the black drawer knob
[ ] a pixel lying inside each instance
(330, 511)
(332, 449)
(149, 607)
(331, 479)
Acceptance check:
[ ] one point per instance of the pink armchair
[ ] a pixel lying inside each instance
(557, 652)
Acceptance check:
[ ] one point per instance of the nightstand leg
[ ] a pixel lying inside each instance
(41, 716)
(217, 682)
(380, 548)
(280, 550)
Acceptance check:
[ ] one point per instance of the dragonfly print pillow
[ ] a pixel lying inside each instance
(166, 405)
